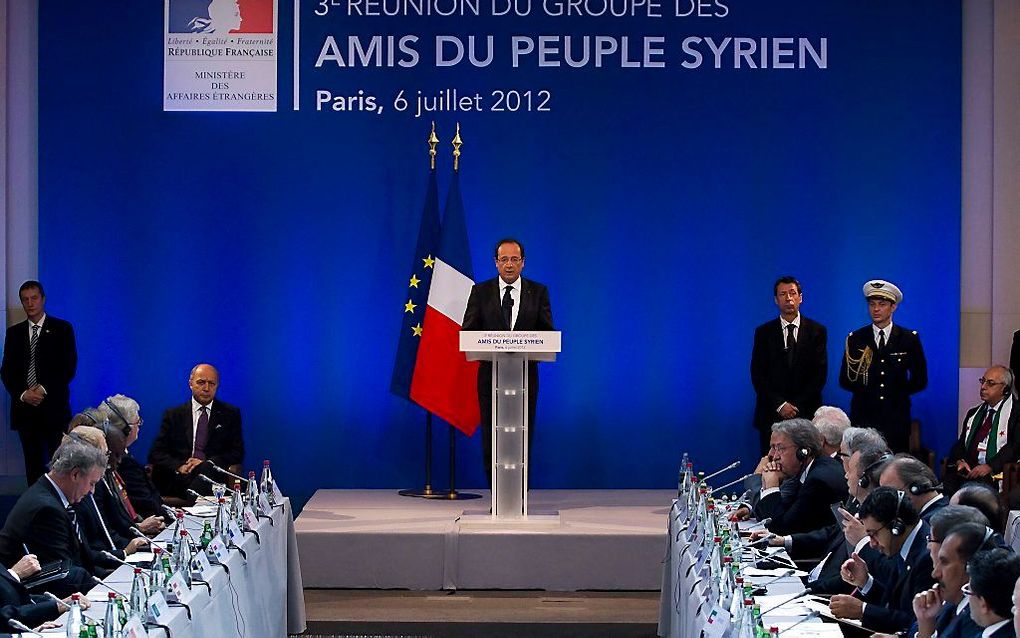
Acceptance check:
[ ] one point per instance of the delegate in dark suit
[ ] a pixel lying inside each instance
(882, 381)
(806, 508)
(144, 496)
(40, 522)
(989, 438)
(56, 359)
(485, 312)
(17, 603)
(779, 377)
(174, 445)
(890, 604)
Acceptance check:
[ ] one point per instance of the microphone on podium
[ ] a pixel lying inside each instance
(213, 483)
(227, 472)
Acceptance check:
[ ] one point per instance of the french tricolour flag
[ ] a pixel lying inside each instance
(445, 382)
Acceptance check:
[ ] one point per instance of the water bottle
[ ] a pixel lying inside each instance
(122, 616)
(182, 556)
(157, 578)
(207, 535)
(111, 626)
(266, 482)
(139, 599)
(220, 523)
(74, 618)
(237, 505)
(682, 483)
(251, 494)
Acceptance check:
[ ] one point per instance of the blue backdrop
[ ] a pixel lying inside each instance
(658, 204)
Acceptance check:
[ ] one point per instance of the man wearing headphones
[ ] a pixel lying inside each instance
(993, 574)
(818, 481)
(915, 478)
(944, 608)
(989, 438)
(895, 529)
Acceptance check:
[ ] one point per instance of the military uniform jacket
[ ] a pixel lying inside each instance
(881, 391)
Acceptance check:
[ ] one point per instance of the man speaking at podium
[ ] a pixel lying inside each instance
(507, 302)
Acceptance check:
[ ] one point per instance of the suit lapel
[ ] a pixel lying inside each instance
(189, 427)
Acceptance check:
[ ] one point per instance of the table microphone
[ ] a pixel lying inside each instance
(786, 574)
(214, 484)
(114, 558)
(814, 614)
(788, 600)
(729, 467)
(103, 584)
(22, 627)
(199, 497)
(762, 523)
(732, 483)
(227, 472)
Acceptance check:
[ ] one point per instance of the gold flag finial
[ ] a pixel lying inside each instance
(433, 143)
(457, 143)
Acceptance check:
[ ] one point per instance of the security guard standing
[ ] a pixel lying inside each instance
(883, 364)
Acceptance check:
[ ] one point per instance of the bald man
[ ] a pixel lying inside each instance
(202, 431)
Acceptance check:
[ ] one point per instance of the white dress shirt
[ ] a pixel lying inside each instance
(515, 294)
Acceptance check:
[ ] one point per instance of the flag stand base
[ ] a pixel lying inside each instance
(427, 491)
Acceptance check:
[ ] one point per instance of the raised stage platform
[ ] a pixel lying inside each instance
(376, 539)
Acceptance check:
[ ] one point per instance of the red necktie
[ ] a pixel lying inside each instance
(982, 434)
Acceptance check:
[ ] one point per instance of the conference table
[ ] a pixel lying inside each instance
(256, 592)
(686, 608)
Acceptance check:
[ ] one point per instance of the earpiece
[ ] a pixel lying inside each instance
(896, 525)
(803, 454)
(127, 427)
(919, 488)
(865, 481)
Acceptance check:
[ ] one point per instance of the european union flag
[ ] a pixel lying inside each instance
(418, 284)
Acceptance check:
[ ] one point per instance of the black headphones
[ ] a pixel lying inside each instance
(865, 481)
(988, 535)
(920, 488)
(896, 525)
(127, 426)
(803, 454)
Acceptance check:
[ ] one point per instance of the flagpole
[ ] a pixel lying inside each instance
(453, 494)
(427, 491)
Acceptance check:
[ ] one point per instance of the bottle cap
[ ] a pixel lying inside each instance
(111, 596)
(251, 473)
(773, 630)
(157, 550)
(75, 597)
(184, 532)
(748, 602)
(222, 500)
(727, 559)
(138, 570)
(265, 463)
(718, 539)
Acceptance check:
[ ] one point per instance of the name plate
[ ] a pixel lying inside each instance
(158, 608)
(250, 520)
(219, 550)
(134, 629)
(541, 342)
(235, 534)
(179, 588)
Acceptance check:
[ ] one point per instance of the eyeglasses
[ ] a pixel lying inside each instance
(873, 533)
(513, 260)
(989, 382)
(929, 539)
(778, 448)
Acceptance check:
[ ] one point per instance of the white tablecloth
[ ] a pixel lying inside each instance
(262, 595)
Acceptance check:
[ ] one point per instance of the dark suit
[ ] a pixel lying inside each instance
(56, 359)
(173, 446)
(885, 567)
(40, 521)
(890, 603)
(806, 508)
(777, 378)
(830, 544)
(142, 493)
(484, 312)
(16, 603)
(881, 397)
(1008, 453)
(98, 534)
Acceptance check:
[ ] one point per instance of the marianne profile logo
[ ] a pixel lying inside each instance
(220, 55)
(221, 16)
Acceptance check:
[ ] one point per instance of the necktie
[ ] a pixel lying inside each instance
(791, 342)
(881, 339)
(201, 433)
(981, 435)
(508, 306)
(123, 496)
(32, 381)
(74, 522)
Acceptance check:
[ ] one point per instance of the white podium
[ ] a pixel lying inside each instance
(510, 352)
